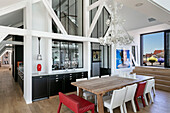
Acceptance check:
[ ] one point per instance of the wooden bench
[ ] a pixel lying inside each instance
(75, 103)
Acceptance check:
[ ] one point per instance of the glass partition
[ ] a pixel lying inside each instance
(67, 55)
(70, 13)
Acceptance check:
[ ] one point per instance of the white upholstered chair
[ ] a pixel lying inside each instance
(153, 87)
(86, 94)
(130, 93)
(116, 100)
(148, 89)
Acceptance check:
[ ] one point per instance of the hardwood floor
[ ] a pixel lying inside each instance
(12, 101)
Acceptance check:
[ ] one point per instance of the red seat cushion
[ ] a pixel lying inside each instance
(84, 105)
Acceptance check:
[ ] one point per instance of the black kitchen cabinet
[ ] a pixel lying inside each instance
(21, 83)
(45, 86)
(72, 79)
(55, 84)
(66, 83)
(40, 88)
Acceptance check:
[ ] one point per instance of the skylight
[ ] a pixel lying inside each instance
(162, 3)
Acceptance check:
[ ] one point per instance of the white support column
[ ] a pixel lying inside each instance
(49, 45)
(86, 21)
(113, 60)
(28, 53)
(87, 57)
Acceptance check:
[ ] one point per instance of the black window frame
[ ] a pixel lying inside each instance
(165, 46)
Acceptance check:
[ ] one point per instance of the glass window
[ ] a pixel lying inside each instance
(67, 55)
(100, 28)
(153, 49)
(70, 13)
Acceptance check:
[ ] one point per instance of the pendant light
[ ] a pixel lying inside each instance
(39, 56)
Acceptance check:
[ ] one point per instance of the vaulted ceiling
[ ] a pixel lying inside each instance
(135, 16)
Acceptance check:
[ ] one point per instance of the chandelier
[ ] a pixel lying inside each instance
(116, 32)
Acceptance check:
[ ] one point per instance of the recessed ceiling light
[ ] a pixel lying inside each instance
(139, 4)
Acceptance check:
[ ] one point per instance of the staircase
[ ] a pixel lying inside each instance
(162, 76)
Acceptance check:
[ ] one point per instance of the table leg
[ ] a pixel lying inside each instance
(100, 103)
(80, 92)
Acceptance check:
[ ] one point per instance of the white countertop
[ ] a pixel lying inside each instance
(58, 72)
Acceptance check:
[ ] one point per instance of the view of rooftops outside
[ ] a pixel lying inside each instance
(153, 49)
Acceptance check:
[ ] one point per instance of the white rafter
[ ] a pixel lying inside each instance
(94, 5)
(54, 17)
(3, 36)
(95, 19)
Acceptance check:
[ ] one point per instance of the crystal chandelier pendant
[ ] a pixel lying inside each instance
(117, 33)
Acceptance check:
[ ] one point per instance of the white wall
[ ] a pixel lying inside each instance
(136, 34)
(41, 23)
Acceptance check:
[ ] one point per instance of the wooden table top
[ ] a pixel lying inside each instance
(106, 84)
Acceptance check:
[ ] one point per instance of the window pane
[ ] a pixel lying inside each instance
(56, 55)
(67, 55)
(153, 49)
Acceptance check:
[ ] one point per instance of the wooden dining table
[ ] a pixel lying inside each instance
(100, 86)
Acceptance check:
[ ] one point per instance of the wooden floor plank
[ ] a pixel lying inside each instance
(12, 101)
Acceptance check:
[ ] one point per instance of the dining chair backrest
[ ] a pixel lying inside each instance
(94, 77)
(104, 76)
(130, 92)
(149, 85)
(140, 89)
(118, 97)
(77, 80)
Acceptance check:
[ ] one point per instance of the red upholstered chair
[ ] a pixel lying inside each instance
(75, 103)
(139, 93)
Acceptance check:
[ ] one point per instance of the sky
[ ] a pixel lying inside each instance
(153, 42)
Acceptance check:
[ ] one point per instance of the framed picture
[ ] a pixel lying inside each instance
(122, 58)
(96, 55)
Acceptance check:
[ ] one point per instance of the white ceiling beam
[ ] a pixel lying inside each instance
(63, 36)
(95, 19)
(94, 5)
(12, 8)
(54, 17)
(13, 42)
(23, 32)
(13, 31)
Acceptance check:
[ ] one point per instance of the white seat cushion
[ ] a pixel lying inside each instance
(107, 101)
